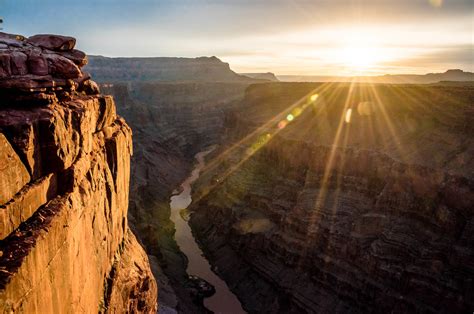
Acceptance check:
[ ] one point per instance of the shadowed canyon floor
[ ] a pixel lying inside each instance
(222, 299)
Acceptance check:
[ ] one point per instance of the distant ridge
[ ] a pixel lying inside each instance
(269, 76)
(453, 75)
(161, 69)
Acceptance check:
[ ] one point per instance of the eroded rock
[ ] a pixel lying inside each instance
(18, 63)
(53, 42)
(62, 67)
(38, 70)
(64, 189)
(13, 173)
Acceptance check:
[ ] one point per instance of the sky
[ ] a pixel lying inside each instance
(301, 37)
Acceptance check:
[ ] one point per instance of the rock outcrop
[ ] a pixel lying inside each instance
(344, 198)
(65, 244)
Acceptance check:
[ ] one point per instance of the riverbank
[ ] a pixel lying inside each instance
(223, 300)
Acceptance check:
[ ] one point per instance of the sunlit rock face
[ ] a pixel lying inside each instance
(310, 209)
(65, 244)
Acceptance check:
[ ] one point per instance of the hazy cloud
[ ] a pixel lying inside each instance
(291, 36)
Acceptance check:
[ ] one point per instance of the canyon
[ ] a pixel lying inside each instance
(172, 122)
(316, 197)
(361, 201)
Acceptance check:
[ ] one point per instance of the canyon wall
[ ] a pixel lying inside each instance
(307, 208)
(162, 69)
(65, 244)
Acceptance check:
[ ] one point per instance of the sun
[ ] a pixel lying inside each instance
(359, 58)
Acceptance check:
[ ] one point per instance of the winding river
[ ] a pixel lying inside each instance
(223, 301)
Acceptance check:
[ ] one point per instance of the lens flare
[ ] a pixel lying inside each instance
(282, 124)
(314, 97)
(348, 115)
(290, 117)
(365, 108)
(296, 112)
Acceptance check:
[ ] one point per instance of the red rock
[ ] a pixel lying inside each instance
(132, 278)
(70, 222)
(76, 56)
(15, 43)
(26, 202)
(18, 63)
(5, 69)
(28, 82)
(53, 42)
(89, 87)
(13, 172)
(37, 63)
(62, 67)
(11, 36)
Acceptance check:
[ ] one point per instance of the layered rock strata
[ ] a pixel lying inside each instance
(370, 211)
(41, 69)
(209, 69)
(65, 244)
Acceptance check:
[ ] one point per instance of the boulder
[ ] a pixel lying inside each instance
(37, 63)
(18, 63)
(53, 42)
(76, 56)
(62, 67)
(11, 36)
(5, 69)
(15, 43)
(89, 87)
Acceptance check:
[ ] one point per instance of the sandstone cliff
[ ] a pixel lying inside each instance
(65, 244)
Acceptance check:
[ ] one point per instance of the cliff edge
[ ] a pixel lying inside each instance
(65, 244)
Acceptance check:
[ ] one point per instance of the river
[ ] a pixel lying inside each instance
(223, 301)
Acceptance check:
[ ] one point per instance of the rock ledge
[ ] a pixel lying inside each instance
(42, 69)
